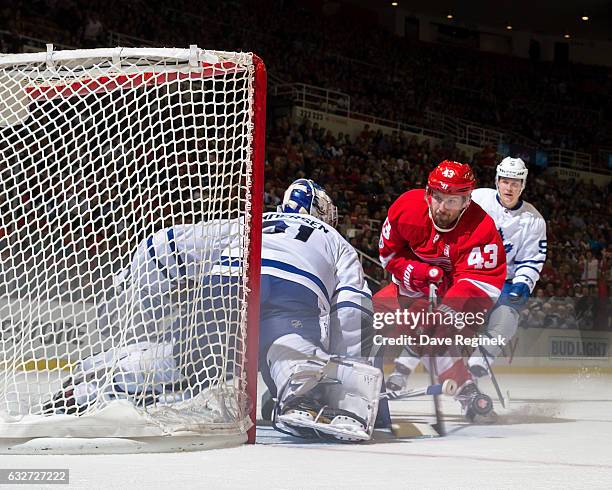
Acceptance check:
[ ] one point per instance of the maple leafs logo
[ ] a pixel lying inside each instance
(507, 246)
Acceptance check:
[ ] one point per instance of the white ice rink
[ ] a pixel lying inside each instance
(556, 433)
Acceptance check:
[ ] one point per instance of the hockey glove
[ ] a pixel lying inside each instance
(518, 294)
(419, 275)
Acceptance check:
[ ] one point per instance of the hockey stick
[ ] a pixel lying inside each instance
(433, 375)
(403, 429)
(449, 387)
(493, 378)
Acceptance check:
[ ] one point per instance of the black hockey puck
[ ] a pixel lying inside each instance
(482, 404)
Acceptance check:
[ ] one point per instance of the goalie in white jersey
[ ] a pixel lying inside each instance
(315, 308)
(315, 304)
(523, 232)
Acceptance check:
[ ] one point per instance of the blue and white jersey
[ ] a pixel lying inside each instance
(306, 250)
(523, 232)
(295, 247)
(175, 255)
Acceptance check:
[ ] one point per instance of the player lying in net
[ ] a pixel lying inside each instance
(315, 308)
(439, 236)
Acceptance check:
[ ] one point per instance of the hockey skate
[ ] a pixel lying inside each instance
(478, 371)
(398, 379)
(64, 403)
(476, 406)
(306, 417)
(65, 400)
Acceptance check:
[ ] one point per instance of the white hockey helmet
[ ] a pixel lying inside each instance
(304, 196)
(512, 168)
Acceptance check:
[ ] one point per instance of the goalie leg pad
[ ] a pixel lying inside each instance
(336, 399)
(140, 369)
(286, 354)
(147, 369)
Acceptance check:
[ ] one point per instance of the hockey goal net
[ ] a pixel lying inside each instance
(101, 151)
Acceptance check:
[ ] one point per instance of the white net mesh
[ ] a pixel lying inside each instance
(124, 176)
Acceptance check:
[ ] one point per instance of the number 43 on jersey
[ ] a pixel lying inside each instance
(483, 257)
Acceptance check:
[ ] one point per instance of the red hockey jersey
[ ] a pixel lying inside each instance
(472, 254)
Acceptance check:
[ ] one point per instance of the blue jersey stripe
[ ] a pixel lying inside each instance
(350, 304)
(355, 290)
(229, 261)
(277, 264)
(161, 267)
(179, 260)
(527, 267)
(529, 261)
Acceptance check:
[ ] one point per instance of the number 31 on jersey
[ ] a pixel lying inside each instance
(483, 257)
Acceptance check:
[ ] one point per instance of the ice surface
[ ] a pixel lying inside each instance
(556, 433)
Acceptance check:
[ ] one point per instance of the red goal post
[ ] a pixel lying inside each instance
(102, 149)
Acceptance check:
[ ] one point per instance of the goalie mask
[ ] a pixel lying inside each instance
(304, 196)
(512, 168)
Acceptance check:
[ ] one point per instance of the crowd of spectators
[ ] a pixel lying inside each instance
(559, 105)
(552, 104)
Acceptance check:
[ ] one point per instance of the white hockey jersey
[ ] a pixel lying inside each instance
(304, 249)
(299, 248)
(523, 232)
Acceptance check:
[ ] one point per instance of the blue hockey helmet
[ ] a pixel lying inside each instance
(304, 196)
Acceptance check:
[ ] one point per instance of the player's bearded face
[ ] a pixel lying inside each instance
(446, 208)
(509, 191)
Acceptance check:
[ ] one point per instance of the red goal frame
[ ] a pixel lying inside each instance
(108, 83)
